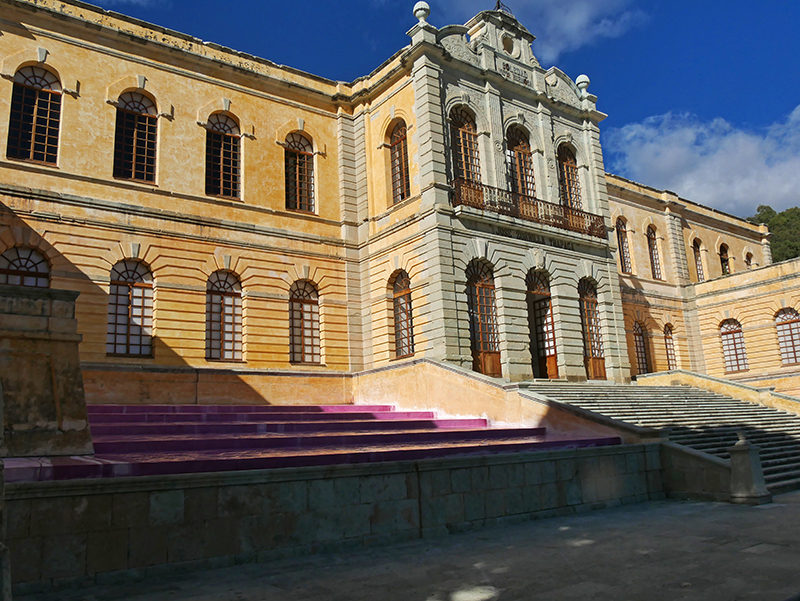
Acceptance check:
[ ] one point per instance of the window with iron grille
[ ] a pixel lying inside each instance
(652, 247)
(698, 260)
(482, 308)
(733, 349)
(304, 309)
(520, 162)
(640, 344)
(788, 324)
(299, 168)
(466, 157)
(590, 320)
(569, 184)
(24, 267)
(403, 323)
(223, 317)
(724, 261)
(669, 343)
(130, 310)
(135, 138)
(748, 260)
(624, 250)
(222, 156)
(35, 116)
(398, 149)
(539, 289)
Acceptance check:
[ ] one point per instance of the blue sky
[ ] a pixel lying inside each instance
(703, 97)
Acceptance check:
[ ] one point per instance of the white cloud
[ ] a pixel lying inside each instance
(713, 163)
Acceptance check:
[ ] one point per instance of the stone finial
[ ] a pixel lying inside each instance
(742, 439)
(421, 11)
(583, 82)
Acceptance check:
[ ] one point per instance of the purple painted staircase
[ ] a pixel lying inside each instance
(144, 440)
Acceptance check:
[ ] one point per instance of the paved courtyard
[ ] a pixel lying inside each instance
(659, 551)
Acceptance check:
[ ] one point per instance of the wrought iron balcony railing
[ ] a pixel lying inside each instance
(479, 196)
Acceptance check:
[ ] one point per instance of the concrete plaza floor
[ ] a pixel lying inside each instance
(659, 551)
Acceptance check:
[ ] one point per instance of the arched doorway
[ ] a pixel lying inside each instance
(544, 360)
(483, 337)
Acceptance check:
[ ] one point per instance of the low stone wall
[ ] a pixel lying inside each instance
(94, 531)
(691, 474)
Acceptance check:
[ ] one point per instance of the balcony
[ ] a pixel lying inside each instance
(503, 202)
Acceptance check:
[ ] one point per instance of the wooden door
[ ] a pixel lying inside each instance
(540, 320)
(484, 340)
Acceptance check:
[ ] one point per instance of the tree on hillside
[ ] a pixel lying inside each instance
(785, 228)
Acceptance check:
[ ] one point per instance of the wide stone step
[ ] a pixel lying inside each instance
(106, 409)
(287, 415)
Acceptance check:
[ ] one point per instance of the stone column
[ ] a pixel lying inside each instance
(677, 245)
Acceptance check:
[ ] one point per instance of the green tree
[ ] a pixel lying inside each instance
(785, 228)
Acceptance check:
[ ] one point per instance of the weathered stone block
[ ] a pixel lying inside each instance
(573, 493)
(51, 516)
(634, 462)
(531, 498)
(148, 547)
(549, 473)
(514, 502)
(244, 500)
(516, 475)
(382, 488)
(221, 537)
(107, 551)
(130, 509)
(63, 556)
(474, 505)
(498, 477)
(652, 458)
(92, 512)
(567, 469)
(495, 503)
(26, 559)
(166, 507)
(480, 478)
(321, 493)
(533, 473)
(433, 512)
(434, 483)
(18, 516)
(460, 480)
(549, 494)
(185, 543)
(200, 504)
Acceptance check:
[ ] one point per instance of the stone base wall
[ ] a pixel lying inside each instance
(72, 533)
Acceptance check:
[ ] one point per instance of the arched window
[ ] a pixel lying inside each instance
(520, 162)
(788, 324)
(403, 323)
(733, 349)
(748, 260)
(624, 249)
(223, 317)
(304, 308)
(222, 156)
(640, 343)
(35, 116)
(593, 354)
(130, 310)
(569, 184)
(669, 343)
(652, 247)
(135, 138)
(724, 260)
(698, 260)
(299, 168)
(466, 157)
(24, 267)
(398, 147)
(541, 325)
(483, 336)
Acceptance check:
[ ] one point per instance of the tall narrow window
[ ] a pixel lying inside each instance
(304, 308)
(299, 168)
(223, 317)
(748, 260)
(724, 260)
(698, 260)
(569, 184)
(222, 156)
(403, 323)
(35, 116)
(541, 325)
(484, 339)
(733, 349)
(640, 343)
(788, 324)
(669, 343)
(624, 250)
(401, 188)
(130, 310)
(135, 138)
(593, 354)
(464, 133)
(24, 267)
(652, 247)
(520, 162)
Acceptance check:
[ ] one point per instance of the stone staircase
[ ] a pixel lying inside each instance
(697, 418)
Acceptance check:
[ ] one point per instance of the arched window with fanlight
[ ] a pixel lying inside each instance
(787, 322)
(734, 352)
(304, 315)
(569, 184)
(724, 259)
(35, 116)
(652, 247)
(482, 307)
(130, 310)
(640, 345)
(222, 156)
(541, 325)
(20, 266)
(403, 321)
(135, 138)
(520, 162)
(624, 249)
(223, 317)
(669, 344)
(299, 173)
(464, 135)
(398, 150)
(698, 260)
(593, 353)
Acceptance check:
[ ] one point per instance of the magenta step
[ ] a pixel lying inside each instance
(159, 429)
(154, 418)
(104, 409)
